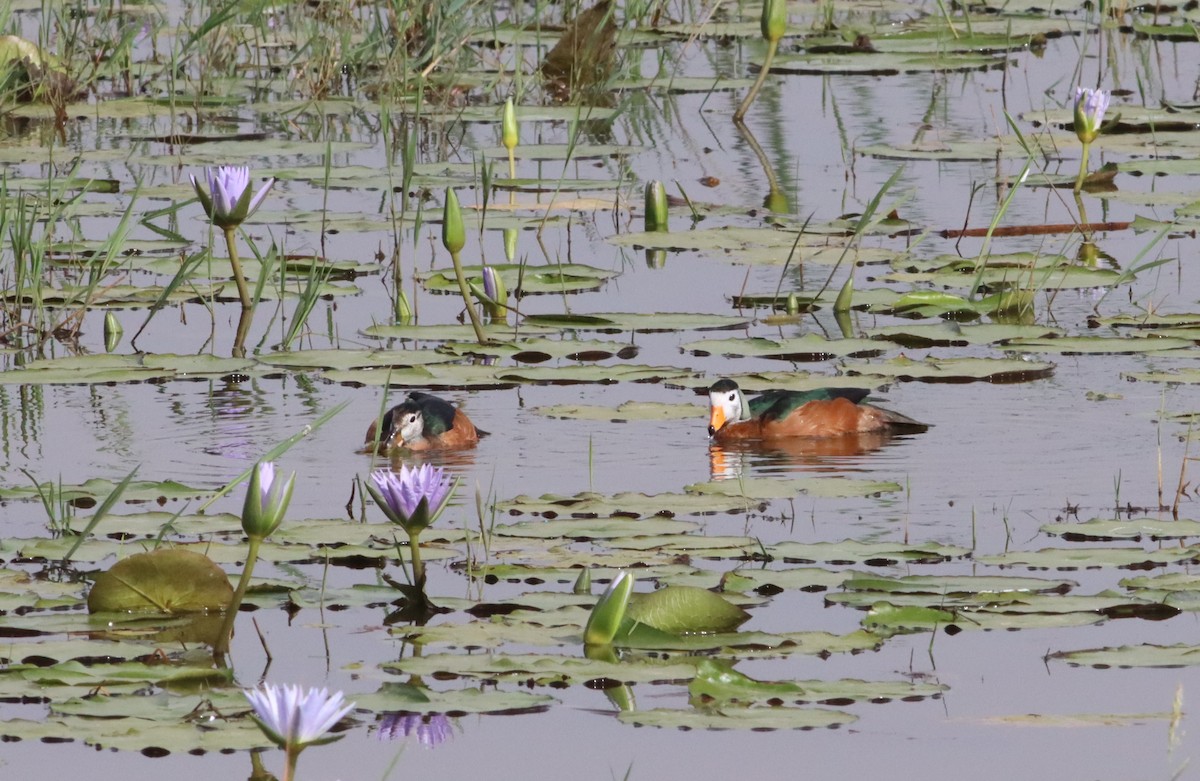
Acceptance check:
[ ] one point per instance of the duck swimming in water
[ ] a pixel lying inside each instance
(777, 414)
(423, 422)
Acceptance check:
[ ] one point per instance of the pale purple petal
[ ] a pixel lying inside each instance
(297, 716)
(258, 198)
(226, 184)
(266, 476)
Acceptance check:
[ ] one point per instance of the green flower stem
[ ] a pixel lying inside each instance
(1083, 166)
(740, 114)
(512, 164)
(414, 551)
(231, 243)
(467, 300)
(289, 768)
(221, 647)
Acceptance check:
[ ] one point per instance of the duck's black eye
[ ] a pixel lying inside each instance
(733, 397)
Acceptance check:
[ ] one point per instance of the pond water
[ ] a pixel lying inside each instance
(1002, 458)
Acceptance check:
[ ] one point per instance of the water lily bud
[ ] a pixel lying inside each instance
(608, 613)
(774, 19)
(583, 583)
(508, 126)
(1090, 106)
(845, 297)
(112, 331)
(454, 235)
(266, 501)
(656, 206)
(510, 244)
(495, 292)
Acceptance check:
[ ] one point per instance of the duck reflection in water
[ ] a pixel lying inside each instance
(742, 458)
(817, 427)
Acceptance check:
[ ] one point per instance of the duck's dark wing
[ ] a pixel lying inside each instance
(778, 404)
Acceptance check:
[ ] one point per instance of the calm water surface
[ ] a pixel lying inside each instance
(999, 461)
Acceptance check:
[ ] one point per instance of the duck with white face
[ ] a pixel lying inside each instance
(422, 422)
(778, 414)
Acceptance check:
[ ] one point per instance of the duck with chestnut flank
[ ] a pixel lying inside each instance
(423, 422)
(777, 414)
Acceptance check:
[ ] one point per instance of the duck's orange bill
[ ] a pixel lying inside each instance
(716, 419)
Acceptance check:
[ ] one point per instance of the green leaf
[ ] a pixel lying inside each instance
(163, 581)
(686, 609)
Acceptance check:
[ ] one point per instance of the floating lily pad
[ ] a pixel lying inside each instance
(1091, 558)
(1131, 529)
(809, 347)
(1099, 345)
(951, 334)
(615, 322)
(539, 350)
(775, 488)
(1125, 656)
(874, 554)
(947, 585)
(757, 719)
(686, 609)
(954, 369)
(633, 505)
(523, 279)
(163, 581)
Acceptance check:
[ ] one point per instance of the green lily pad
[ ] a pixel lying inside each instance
(757, 719)
(997, 370)
(1126, 656)
(616, 322)
(686, 609)
(633, 505)
(163, 581)
(951, 334)
(1091, 558)
(874, 554)
(1099, 345)
(540, 350)
(947, 585)
(523, 279)
(777, 488)
(809, 347)
(1131, 529)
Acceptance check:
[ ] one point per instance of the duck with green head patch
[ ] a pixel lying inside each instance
(778, 414)
(423, 422)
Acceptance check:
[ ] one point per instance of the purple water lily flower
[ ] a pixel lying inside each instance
(227, 201)
(414, 497)
(1090, 106)
(294, 718)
